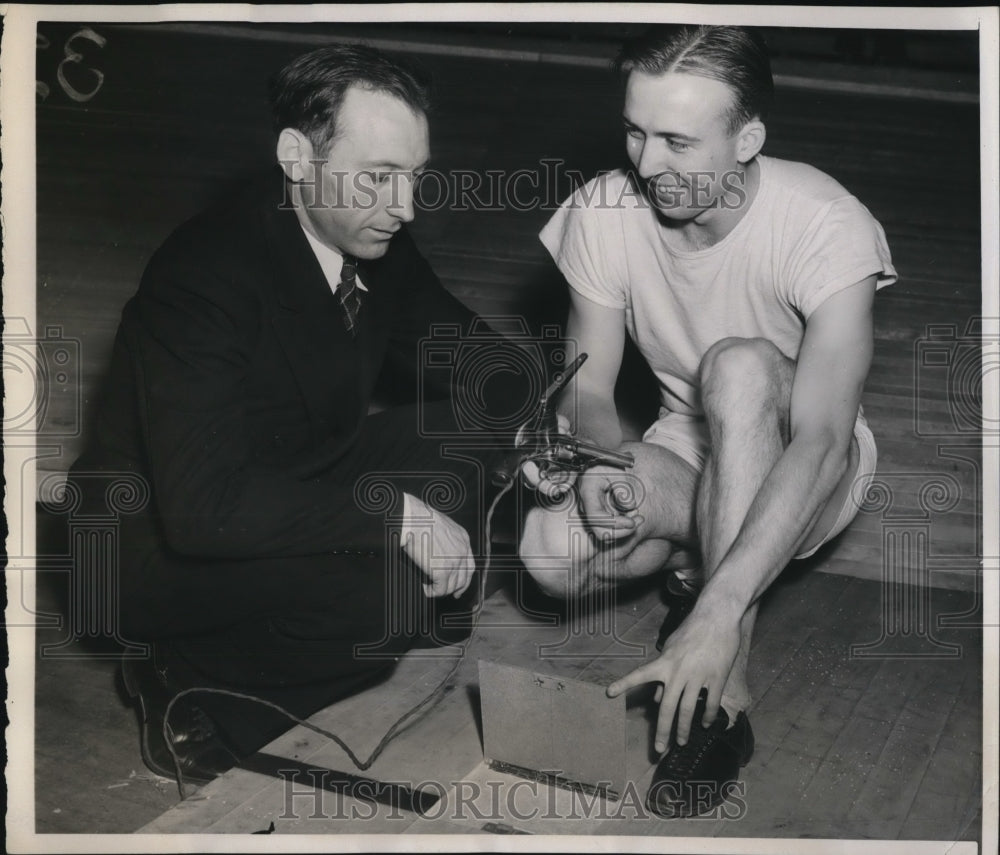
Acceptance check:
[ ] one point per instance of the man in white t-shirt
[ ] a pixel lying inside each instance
(747, 284)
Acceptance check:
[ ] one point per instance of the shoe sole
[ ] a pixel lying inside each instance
(680, 809)
(132, 690)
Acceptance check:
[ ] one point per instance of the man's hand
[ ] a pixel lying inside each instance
(699, 654)
(609, 502)
(555, 483)
(439, 546)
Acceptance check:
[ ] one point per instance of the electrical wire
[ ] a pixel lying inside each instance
(418, 709)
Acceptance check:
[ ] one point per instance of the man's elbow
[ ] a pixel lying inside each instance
(558, 575)
(554, 579)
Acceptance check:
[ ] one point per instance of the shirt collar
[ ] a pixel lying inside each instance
(331, 261)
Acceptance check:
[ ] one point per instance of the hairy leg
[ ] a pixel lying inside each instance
(561, 552)
(746, 392)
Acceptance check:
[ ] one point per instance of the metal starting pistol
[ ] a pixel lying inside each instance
(540, 441)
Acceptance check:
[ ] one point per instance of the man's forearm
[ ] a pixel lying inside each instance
(594, 418)
(785, 508)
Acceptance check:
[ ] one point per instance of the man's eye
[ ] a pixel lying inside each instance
(634, 133)
(678, 146)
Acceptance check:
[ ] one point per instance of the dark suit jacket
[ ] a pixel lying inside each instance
(234, 386)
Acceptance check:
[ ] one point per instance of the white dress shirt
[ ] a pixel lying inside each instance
(331, 261)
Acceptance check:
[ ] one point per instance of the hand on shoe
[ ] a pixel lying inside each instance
(699, 654)
(439, 546)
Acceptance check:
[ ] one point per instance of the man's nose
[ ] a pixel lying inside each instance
(401, 205)
(651, 161)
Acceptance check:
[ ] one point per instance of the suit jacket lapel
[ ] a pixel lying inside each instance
(301, 285)
(308, 320)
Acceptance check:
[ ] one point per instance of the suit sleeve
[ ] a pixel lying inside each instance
(192, 333)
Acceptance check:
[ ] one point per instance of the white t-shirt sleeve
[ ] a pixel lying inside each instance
(842, 245)
(586, 241)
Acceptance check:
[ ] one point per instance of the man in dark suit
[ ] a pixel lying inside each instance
(242, 377)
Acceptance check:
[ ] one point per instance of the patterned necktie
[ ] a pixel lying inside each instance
(350, 294)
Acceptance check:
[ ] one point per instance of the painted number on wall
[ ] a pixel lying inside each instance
(72, 56)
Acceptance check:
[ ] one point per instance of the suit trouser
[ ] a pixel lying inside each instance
(305, 631)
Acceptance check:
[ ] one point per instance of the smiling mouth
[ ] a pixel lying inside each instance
(666, 185)
(668, 200)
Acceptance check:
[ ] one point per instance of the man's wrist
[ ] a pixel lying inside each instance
(413, 510)
(604, 432)
(721, 601)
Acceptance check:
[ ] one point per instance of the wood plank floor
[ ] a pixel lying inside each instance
(863, 745)
(844, 745)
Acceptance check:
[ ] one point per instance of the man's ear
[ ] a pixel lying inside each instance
(295, 154)
(750, 141)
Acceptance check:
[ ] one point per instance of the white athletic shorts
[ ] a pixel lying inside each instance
(687, 437)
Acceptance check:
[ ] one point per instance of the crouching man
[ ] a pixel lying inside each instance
(240, 391)
(747, 283)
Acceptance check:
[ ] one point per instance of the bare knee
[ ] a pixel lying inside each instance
(733, 361)
(557, 560)
(740, 375)
(551, 573)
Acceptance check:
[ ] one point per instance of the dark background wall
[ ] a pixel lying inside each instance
(155, 121)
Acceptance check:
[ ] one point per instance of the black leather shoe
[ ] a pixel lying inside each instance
(202, 754)
(680, 597)
(695, 778)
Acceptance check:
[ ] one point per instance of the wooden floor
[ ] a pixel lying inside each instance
(847, 746)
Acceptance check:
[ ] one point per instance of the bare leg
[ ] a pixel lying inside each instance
(746, 392)
(565, 559)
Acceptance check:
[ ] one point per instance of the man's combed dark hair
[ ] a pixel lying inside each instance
(736, 56)
(307, 93)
